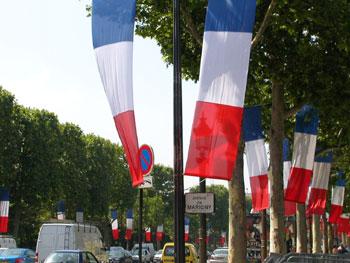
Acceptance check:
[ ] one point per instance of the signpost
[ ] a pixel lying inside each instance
(199, 203)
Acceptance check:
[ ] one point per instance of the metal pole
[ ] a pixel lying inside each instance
(178, 159)
(203, 228)
(263, 236)
(140, 223)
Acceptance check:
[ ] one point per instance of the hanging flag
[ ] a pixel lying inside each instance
(319, 184)
(187, 229)
(343, 223)
(290, 207)
(303, 154)
(337, 201)
(129, 221)
(256, 157)
(79, 215)
(222, 80)
(113, 35)
(61, 210)
(148, 234)
(160, 233)
(4, 210)
(222, 239)
(115, 227)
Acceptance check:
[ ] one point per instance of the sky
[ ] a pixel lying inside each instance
(47, 61)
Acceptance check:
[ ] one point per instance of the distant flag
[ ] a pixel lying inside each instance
(289, 206)
(337, 200)
(129, 222)
(343, 223)
(256, 157)
(160, 233)
(4, 210)
(113, 34)
(319, 185)
(187, 229)
(148, 234)
(79, 215)
(222, 80)
(222, 239)
(303, 154)
(115, 227)
(61, 210)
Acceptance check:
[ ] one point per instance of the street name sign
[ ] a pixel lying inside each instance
(199, 203)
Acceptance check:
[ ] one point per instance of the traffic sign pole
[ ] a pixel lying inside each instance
(140, 223)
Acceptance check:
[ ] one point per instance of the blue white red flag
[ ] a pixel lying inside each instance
(187, 229)
(303, 154)
(113, 34)
(148, 234)
(256, 157)
(61, 215)
(129, 222)
(160, 233)
(290, 207)
(319, 185)
(222, 239)
(115, 227)
(343, 223)
(338, 192)
(222, 80)
(4, 210)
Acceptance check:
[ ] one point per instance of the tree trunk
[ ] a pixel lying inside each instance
(316, 234)
(301, 229)
(277, 234)
(16, 220)
(330, 238)
(309, 241)
(325, 235)
(237, 241)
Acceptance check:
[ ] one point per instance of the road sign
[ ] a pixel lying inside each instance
(147, 182)
(147, 159)
(199, 203)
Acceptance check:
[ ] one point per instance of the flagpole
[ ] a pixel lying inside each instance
(178, 158)
(140, 223)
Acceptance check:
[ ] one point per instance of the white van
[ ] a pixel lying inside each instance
(63, 236)
(7, 242)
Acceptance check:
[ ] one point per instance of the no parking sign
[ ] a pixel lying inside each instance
(147, 161)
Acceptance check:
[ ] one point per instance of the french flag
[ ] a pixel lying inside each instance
(148, 234)
(61, 210)
(129, 221)
(115, 227)
(290, 208)
(187, 229)
(113, 34)
(337, 201)
(319, 185)
(256, 157)
(222, 239)
(160, 233)
(4, 210)
(343, 223)
(303, 154)
(222, 80)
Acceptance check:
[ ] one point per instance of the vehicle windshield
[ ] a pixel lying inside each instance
(221, 252)
(116, 253)
(169, 251)
(136, 252)
(62, 257)
(12, 252)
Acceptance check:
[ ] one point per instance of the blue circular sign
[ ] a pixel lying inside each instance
(146, 159)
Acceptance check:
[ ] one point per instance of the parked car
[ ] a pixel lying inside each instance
(191, 255)
(2, 249)
(17, 255)
(7, 242)
(71, 256)
(148, 246)
(146, 256)
(119, 255)
(157, 258)
(219, 255)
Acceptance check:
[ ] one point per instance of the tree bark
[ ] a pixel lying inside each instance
(237, 241)
(301, 229)
(330, 238)
(16, 220)
(309, 241)
(277, 234)
(325, 235)
(316, 234)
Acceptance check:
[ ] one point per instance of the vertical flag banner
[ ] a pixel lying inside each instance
(61, 210)
(115, 227)
(343, 223)
(148, 234)
(4, 210)
(129, 222)
(160, 233)
(222, 239)
(222, 81)
(256, 157)
(79, 215)
(187, 229)
(319, 185)
(303, 154)
(337, 201)
(290, 208)
(113, 35)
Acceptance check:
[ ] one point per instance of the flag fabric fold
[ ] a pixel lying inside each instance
(222, 80)
(319, 185)
(343, 223)
(289, 206)
(148, 234)
(115, 227)
(159, 233)
(187, 229)
(337, 200)
(129, 226)
(4, 210)
(303, 154)
(113, 34)
(256, 157)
